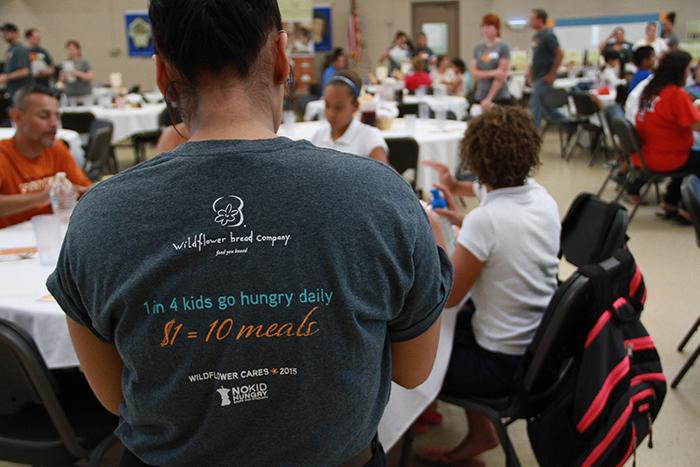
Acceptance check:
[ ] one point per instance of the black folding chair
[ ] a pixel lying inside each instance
(38, 424)
(407, 109)
(592, 230)
(555, 98)
(80, 122)
(620, 159)
(586, 108)
(403, 156)
(99, 156)
(544, 365)
(690, 191)
(143, 139)
(549, 357)
(629, 143)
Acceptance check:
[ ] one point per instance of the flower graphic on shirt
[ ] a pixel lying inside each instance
(229, 211)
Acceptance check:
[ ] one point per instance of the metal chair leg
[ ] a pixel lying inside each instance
(407, 447)
(690, 333)
(643, 195)
(686, 367)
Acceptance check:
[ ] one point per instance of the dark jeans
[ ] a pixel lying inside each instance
(673, 188)
(473, 370)
(378, 458)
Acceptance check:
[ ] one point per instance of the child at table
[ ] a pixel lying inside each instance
(505, 257)
(342, 131)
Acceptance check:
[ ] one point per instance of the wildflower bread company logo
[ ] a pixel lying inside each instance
(229, 211)
(240, 394)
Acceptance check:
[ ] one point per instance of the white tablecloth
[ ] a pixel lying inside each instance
(69, 136)
(23, 301)
(458, 105)
(127, 121)
(440, 144)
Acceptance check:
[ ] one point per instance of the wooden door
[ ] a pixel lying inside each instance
(440, 22)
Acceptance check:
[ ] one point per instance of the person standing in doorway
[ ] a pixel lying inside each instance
(547, 56)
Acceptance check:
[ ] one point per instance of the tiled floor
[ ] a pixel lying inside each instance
(670, 260)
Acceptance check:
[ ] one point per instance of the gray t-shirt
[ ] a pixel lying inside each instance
(252, 289)
(76, 86)
(544, 46)
(17, 58)
(487, 58)
(40, 59)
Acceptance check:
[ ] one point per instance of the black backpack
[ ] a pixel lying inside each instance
(615, 387)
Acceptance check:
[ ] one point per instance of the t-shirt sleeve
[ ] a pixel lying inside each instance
(686, 112)
(505, 51)
(477, 53)
(553, 42)
(63, 286)
(84, 66)
(373, 140)
(432, 283)
(477, 234)
(70, 167)
(20, 59)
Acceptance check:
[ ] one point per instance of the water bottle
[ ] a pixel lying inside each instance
(64, 197)
(439, 202)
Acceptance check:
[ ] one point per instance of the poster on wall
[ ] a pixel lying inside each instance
(139, 34)
(321, 28)
(297, 20)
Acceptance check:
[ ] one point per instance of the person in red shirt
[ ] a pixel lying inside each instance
(419, 77)
(30, 159)
(665, 122)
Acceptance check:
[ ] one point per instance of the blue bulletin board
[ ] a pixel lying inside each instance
(139, 34)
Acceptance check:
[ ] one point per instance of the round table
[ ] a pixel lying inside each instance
(69, 136)
(437, 141)
(315, 110)
(24, 300)
(127, 121)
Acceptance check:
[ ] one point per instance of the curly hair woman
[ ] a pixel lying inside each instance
(506, 257)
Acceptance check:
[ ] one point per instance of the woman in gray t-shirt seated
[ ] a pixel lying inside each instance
(489, 65)
(77, 74)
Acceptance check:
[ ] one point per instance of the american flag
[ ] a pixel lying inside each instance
(354, 36)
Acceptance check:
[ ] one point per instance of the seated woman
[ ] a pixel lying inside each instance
(461, 83)
(505, 257)
(443, 74)
(419, 78)
(665, 122)
(342, 131)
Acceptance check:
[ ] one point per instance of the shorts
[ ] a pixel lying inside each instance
(473, 370)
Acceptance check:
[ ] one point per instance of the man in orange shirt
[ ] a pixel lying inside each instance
(30, 159)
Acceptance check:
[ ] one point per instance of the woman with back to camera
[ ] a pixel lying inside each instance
(505, 257)
(272, 289)
(342, 131)
(665, 122)
(489, 65)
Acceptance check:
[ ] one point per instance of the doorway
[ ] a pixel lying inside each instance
(440, 23)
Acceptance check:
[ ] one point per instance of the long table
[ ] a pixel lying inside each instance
(24, 300)
(127, 121)
(436, 141)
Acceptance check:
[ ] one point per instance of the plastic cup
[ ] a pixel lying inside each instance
(410, 122)
(47, 231)
(423, 111)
